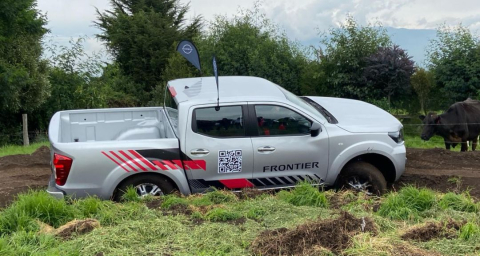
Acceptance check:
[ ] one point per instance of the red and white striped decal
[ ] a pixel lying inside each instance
(131, 160)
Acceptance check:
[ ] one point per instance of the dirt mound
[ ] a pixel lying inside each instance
(154, 204)
(177, 209)
(433, 230)
(40, 157)
(79, 227)
(334, 235)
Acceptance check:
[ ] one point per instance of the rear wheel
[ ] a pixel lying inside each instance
(362, 176)
(153, 185)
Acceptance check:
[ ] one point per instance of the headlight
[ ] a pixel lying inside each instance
(397, 136)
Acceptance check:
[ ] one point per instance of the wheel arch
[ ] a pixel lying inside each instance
(384, 164)
(126, 179)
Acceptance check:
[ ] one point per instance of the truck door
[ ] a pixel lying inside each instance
(219, 138)
(284, 151)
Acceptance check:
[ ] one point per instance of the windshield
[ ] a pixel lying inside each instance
(300, 102)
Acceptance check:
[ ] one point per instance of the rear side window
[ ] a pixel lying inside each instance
(227, 122)
(171, 108)
(276, 120)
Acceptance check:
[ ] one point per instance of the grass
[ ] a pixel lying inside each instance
(16, 149)
(222, 224)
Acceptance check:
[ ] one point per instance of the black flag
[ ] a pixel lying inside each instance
(215, 73)
(188, 50)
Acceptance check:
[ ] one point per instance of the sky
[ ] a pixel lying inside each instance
(302, 20)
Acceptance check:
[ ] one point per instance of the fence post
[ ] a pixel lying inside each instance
(26, 142)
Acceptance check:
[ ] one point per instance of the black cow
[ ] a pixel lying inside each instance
(459, 124)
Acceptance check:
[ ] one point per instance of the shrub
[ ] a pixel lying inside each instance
(304, 195)
(459, 202)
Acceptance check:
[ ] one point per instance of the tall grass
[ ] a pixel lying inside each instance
(16, 149)
(304, 194)
(407, 203)
(459, 202)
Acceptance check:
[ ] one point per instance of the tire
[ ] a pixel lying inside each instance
(148, 181)
(361, 173)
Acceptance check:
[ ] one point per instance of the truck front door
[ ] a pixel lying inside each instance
(284, 151)
(219, 140)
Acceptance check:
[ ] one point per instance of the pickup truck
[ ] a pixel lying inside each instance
(260, 136)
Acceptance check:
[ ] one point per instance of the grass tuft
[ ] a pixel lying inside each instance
(35, 205)
(220, 196)
(469, 231)
(131, 195)
(459, 202)
(407, 203)
(220, 214)
(171, 200)
(304, 194)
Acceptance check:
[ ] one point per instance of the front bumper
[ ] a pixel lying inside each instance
(399, 155)
(53, 190)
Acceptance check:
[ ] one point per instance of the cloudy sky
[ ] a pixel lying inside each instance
(301, 19)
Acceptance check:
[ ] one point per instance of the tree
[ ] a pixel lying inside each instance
(422, 82)
(388, 72)
(249, 45)
(140, 35)
(23, 75)
(454, 57)
(344, 56)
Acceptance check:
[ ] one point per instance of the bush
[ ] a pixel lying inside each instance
(220, 214)
(304, 195)
(459, 202)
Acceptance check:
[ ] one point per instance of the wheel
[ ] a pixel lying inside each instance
(362, 176)
(154, 185)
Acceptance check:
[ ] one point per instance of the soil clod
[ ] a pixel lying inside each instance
(334, 235)
(79, 227)
(433, 230)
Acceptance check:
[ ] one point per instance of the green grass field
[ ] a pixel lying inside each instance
(220, 223)
(16, 149)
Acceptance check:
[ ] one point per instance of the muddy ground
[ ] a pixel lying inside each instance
(434, 168)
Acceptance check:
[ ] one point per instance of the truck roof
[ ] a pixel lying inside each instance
(235, 88)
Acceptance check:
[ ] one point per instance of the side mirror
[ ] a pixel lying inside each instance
(315, 129)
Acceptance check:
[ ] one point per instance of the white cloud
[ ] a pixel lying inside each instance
(300, 18)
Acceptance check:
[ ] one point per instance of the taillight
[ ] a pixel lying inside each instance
(62, 168)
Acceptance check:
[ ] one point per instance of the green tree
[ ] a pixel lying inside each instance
(23, 75)
(454, 57)
(388, 73)
(250, 45)
(140, 34)
(344, 54)
(422, 82)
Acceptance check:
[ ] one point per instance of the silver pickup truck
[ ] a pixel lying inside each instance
(262, 137)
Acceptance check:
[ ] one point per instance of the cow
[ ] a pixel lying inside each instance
(459, 124)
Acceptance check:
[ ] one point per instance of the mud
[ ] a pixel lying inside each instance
(249, 193)
(334, 235)
(432, 168)
(154, 204)
(178, 209)
(433, 230)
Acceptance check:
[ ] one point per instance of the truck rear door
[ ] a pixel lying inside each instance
(219, 138)
(284, 151)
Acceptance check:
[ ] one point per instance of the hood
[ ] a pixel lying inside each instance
(359, 116)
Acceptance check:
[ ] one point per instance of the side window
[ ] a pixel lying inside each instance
(275, 120)
(227, 122)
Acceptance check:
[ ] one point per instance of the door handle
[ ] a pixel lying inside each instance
(266, 149)
(199, 151)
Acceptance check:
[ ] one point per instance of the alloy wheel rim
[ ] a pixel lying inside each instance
(360, 185)
(145, 189)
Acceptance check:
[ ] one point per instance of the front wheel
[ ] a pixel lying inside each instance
(362, 176)
(153, 185)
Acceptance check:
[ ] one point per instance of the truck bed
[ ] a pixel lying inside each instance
(109, 125)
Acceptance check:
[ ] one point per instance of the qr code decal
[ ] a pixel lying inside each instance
(229, 161)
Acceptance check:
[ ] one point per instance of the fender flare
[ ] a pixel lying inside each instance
(354, 151)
